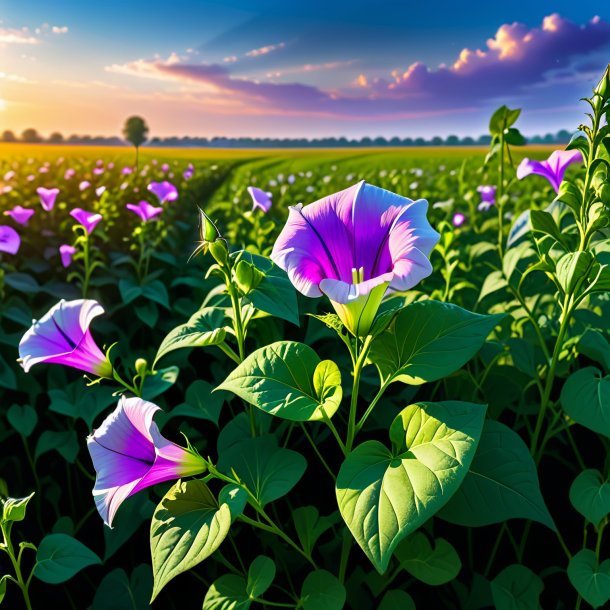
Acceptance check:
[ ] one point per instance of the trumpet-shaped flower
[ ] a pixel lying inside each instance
(144, 210)
(129, 454)
(164, 191)
(260, 199)
(9, 240)
(488, 197)
(20, 215)
(62, 336)
(66, 252)
(86, 219)
(353, 247)
(553, 169)
(47, 197)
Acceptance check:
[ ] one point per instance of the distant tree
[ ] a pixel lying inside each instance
(467, 141)
(136, 132)
(436, 141)
(30, 136)
(420, 141)
(56, 138)
(484, 140)
(563, 136)
(452, 141)
(74, 138)
(8, 136)
(366, 141)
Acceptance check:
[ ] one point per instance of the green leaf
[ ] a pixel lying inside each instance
(516, 588)
(60, 557)
(148, 313)
(385, 495)
(13, 509)
(268, 471)
(433, 566)
(79, 401)
(161, 381)
(8, 379)
(227, 593)
(396, 599)
(205, 327)
(129, 291)
(514, 137)
(493, 282)
(118, 592)
(585, 397)
(201, 402)
(322, 591)
(595, 346)
(235, 497)
(310, 526)
(502, 483)
(64, 442)
(590, 496)
(3, 582)
(572, 268)
(428, 341)
(134, 512)
(157, 292)
(543, 222)
(260, 576)
(591, 580)
(187, 527)
(22, 418)
(288, 379)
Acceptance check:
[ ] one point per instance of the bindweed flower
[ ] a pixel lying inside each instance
(260, 199)
(66, 252)
(488, 197)
(188, 172)
(458, 219)
(20, 215)
(129, 454)
(165, 168)
(62, 336)
(553, 169)
(353, 247)
(69, 173)
(47, 197)
(84, 185)
(144, 210)
(100, 190)
(98, 171)
(126, 170)
(87, 219)
(9, 240)
(164, 191)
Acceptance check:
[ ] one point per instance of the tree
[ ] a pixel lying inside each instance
(30, 135)
(136, 132)
(8, 136)
(56, 138)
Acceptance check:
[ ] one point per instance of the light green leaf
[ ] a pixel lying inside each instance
(13, 509)
(161, 381)
(60, 557)
(502, 483)
(260, 576)
(493, 282)
(227, 593)
(385, 495)
(235, 497)
(590, 495)
(517, 588)
(591, 580)
(428, 341)
(322, 591)
(595, 346)
(287, 379)
(187, 527)
(572, 268)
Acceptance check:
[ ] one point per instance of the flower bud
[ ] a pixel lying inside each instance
(247, 276)
(141, 367)
(603, 87)
(219, 250)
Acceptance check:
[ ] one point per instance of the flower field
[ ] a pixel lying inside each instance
(395, 395)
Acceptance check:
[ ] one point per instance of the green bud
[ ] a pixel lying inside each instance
(220, 252)
(603, 87)
(141, 367)
(207, 229)
(247, 276)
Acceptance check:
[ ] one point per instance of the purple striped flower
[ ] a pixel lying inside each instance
(47, 197)
(164, 191)
(355, 245)
(62, 336)
(66, 252)
(144, 210)
(488, 197)
(129, 454)
(553, 169)
(20, 215)
(260, 199)
(9, 240)
(86, 219)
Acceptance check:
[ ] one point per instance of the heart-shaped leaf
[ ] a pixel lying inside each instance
(590, 495)
(60, 557)
(591, 580)
(517, 588)
(384, 495)
(227, 593)
(260, 576)
(322, 591)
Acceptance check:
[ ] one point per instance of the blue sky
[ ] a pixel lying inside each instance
(315, 68)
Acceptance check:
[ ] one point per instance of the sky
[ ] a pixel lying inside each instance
(281, 68)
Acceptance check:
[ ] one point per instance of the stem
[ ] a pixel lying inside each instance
(16, 564)
(229, 352)
(87, 275)
(346, 547)
(374, 402)
(351, 424)
(315, 448)
(499, 195)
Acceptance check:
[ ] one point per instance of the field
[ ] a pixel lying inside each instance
(366, 404)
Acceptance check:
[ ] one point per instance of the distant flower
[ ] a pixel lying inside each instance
(99, 162)
(7, 188)
(165, 168)
(98, 171)
(413, 186)
(126, 170)
(9, 175)
(188, 172)
(355, 245)
(20, 215)
(86, 219)
(488, 197)
(110, 165)
(69, 173)
(290, 179)
(84, 185)
(458, 219)
(260, 199)
(43, 169)
(47, 197)
(99, 191)
(66, 252)
(144, 210)
(62, 336)
(310, 189)
(129, 454)
(9, 240)
(164, 191)
(553, 169)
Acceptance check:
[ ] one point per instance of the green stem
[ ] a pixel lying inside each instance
(499, 195)
(346, 547)
(369, 410)
(16, 564)
(351, 424)
(317, 451)
(86, 264)
(229, 352)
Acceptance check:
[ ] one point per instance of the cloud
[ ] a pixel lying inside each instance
(17, 36)
(517, 61)
(265, 50)
(15, 78)
(59, 30)
(307, 68)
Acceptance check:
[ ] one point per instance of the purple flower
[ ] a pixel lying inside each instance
(62, 336)
(126, 170)
(164, 191)
(9, 240)
(69, 173)
(355, 245)
(86, 219)
(552, 169)
(129, 454)
(144, 210)
(488, 197)
(20, 215)
(47, 197)
(260, 199)
(165, 168)
(98, 171)
(85, 184)
(458, 219)
(66, 252)
(188, 172)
